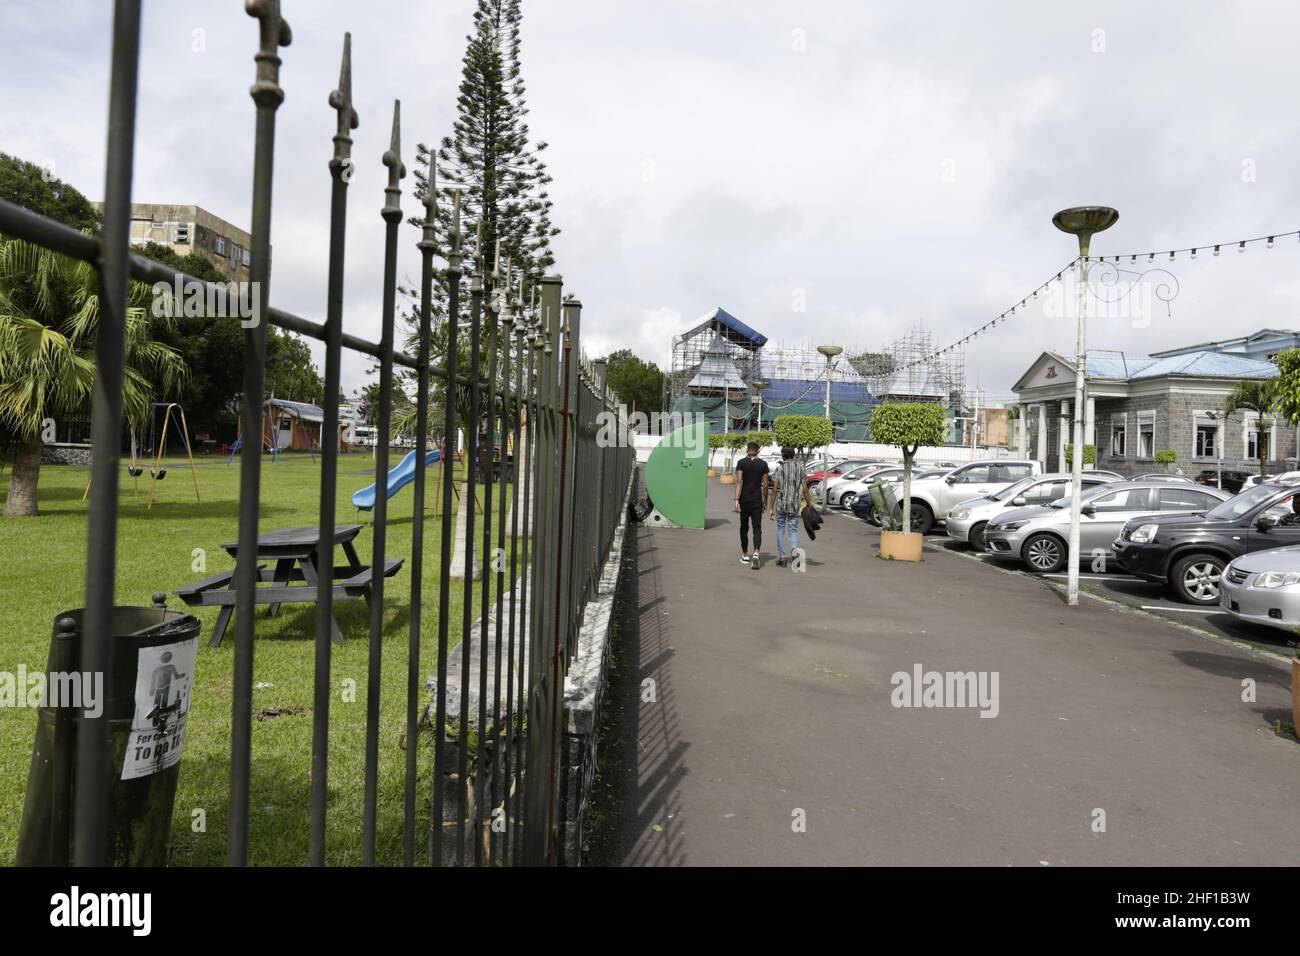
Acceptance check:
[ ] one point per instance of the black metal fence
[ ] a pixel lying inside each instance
(525, 379)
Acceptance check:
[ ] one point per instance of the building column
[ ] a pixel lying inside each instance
(1090, 426)
(1064, 435)
(1041, 447)
(1022, 431)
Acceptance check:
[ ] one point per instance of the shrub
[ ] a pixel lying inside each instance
(908, 426)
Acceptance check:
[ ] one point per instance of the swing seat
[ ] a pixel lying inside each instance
(158, 475)
(135, 471)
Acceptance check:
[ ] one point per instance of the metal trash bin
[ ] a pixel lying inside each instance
(147, 707)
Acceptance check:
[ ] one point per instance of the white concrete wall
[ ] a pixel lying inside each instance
(859, 449)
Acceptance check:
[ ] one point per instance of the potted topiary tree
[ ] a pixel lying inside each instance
(906, 426)
(731, 442)
(715, 441)
(1089, 455)
(1164, 457)
(803, 433)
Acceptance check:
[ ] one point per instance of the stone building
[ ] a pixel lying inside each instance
(1138, 406)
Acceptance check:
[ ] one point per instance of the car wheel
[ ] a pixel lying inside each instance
(847, 499)
(922, 518)
(1044, 553)
(976, 536)
(1196, 578)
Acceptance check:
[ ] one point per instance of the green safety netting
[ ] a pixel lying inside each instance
(852, 419)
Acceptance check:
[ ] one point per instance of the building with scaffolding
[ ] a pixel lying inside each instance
(720, 366)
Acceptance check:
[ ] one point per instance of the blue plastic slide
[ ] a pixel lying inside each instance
(398, 478)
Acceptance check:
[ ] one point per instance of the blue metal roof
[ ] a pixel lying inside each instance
(792, 389)
(727, 320)
(1205, 364)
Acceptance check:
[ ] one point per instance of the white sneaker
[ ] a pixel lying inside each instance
(744, 560)
(753, 561)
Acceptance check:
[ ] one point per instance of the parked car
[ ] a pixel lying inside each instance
(843, 493)
(1233, 479)
(966, 521)
(1113, 475)
(817, 472)
(1040, 536)
(1163, 476)
(1264, 587)
(1189, 552)
(834, 483)
(933, 498)
(864, 507)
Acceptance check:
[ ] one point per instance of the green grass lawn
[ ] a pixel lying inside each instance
(44, 574)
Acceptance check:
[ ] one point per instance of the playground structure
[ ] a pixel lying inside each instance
(399, 476)
(158, 448)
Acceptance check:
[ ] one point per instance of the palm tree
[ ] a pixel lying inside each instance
(49, 320)
(1260, 395)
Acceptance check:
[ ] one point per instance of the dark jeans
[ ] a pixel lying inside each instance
(751, 514)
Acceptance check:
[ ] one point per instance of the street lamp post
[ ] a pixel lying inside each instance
(1082, 222)
(758, 388)
(830, 351)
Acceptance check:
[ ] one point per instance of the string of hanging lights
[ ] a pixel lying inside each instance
(1214, 248)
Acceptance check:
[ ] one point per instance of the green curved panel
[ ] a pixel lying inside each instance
(676, 476)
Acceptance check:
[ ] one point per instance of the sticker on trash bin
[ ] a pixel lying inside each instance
(164, 677)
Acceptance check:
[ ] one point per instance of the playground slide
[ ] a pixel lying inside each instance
(398, 478)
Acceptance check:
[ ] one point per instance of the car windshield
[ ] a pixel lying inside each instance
(1010, 491)
(1238, 505)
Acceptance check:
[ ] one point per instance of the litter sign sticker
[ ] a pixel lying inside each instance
(164, 678)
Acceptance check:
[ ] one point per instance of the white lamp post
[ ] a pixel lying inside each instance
(830, 351)
(1082, 222)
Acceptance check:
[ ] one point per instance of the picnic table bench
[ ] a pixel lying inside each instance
(293, 579)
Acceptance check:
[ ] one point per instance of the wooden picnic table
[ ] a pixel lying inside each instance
(294, 578)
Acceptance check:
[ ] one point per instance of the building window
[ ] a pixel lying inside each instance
(1205, 440)
(219, 245)
(1146, 439)
(1118, 436)
(1252, 443)
(247, 258)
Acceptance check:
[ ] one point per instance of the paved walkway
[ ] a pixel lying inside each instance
(772, 696)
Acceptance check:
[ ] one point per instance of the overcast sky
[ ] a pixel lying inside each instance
(889, 164)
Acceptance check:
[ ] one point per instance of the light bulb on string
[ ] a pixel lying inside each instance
(1270, 242)
(1133, 259)
(1241, 246)
(1193, 253)
(1216, 250)
(1171, 255)
(1151, 257)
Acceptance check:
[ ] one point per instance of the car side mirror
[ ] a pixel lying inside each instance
(951, 479)
(1089, 510)
(1018, 501)
(1266, 521)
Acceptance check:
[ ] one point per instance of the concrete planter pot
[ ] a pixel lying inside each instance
(712, 473)
(901, 545)
(728, 479)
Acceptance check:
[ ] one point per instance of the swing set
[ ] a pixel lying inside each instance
(158, 447)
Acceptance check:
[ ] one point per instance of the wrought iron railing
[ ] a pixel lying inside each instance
(525, 380)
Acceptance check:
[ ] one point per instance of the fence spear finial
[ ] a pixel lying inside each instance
(396, 168)
(274, 33)
(341, 100)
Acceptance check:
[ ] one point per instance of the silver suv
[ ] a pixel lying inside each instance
(933, 498)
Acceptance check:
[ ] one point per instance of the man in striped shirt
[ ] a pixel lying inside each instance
(789, 489)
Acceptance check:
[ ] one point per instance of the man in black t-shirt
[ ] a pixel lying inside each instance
(751, 492)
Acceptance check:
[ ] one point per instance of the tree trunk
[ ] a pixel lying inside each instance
(907, 491)
(21, 501)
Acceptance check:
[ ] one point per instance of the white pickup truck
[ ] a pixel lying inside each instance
(933, 498)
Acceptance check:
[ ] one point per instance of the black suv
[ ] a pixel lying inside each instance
(1190, 551)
